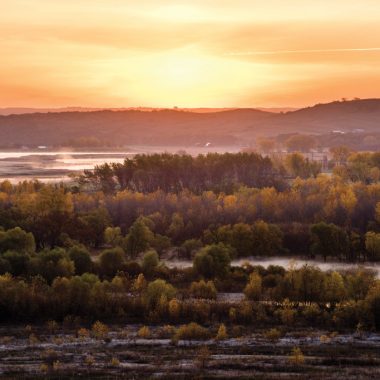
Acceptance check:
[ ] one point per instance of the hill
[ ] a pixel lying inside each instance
(185, 128)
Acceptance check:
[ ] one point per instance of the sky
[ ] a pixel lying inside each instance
(198, 53)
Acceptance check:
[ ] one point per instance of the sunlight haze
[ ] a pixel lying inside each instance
(187, 53)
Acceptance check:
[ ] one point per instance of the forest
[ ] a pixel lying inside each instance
(98, 250)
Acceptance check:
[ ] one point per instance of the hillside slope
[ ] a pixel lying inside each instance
(176, 127)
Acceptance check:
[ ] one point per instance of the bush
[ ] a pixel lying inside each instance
(296, 356)
(222, 333)
(253, 289)
(156, 290)
(273, 334)
(203, 289)
(144, 332)
(192, 331)
(99, 330)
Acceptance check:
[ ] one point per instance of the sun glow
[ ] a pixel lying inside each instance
(157, 53)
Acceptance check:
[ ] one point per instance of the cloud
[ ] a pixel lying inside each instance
(271, 52)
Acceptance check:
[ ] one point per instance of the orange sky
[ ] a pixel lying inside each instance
(210, 53)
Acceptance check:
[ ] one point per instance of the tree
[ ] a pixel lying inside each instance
(298, 166)
(297, 357)
(266, 145)
(150, 261)
(157, 289)
(253, 289)
(17, 240)
(335, 290)
(48, 214)
(176, 227)
(222, 333)
(93, 225)
(52, 263)
(138, 238)
(300, 143)
(213, 261)
(329, 240)
(111, 261)
(267, 239)
(372, 245)
(81, 258)
(242, 239)
(373, 301)
(203, 289)
(340, 154)
(191, 246)
(18, 262)
(112, 236)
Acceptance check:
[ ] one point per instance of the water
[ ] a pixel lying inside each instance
(288, 262)
(52, 166)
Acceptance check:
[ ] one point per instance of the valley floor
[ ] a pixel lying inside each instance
(34, 353)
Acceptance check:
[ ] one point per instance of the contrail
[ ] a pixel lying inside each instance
(273, 52)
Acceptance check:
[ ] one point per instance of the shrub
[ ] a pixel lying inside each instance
(174, 309)
(83, 333)
(99, 330)
(144, 332)
(296, 356)
(115, 362)
(203, 289)
(222, 333)
(139, 284)
(192, 331)
(273, 334)
(156, 290)
(253, 289)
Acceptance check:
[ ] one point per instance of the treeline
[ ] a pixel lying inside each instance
(342, 218)
(273, 297)
(174, 173)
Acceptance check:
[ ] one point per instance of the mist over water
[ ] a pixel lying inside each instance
(52, 166)
(55, 166)
(289, 262)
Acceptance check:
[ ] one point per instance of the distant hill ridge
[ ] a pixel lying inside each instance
(23, 110)
(184, 127)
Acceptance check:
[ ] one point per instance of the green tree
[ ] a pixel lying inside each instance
(267, 239)
(329, 240)
(372, 245)
(17, 240)
(81, 258)
(112, 236)
(111, 261)
(335, 290)
(213, 261)
(157, 290)
(138, 238)
(150, 261)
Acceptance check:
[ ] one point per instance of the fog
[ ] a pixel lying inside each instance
(288, 263)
